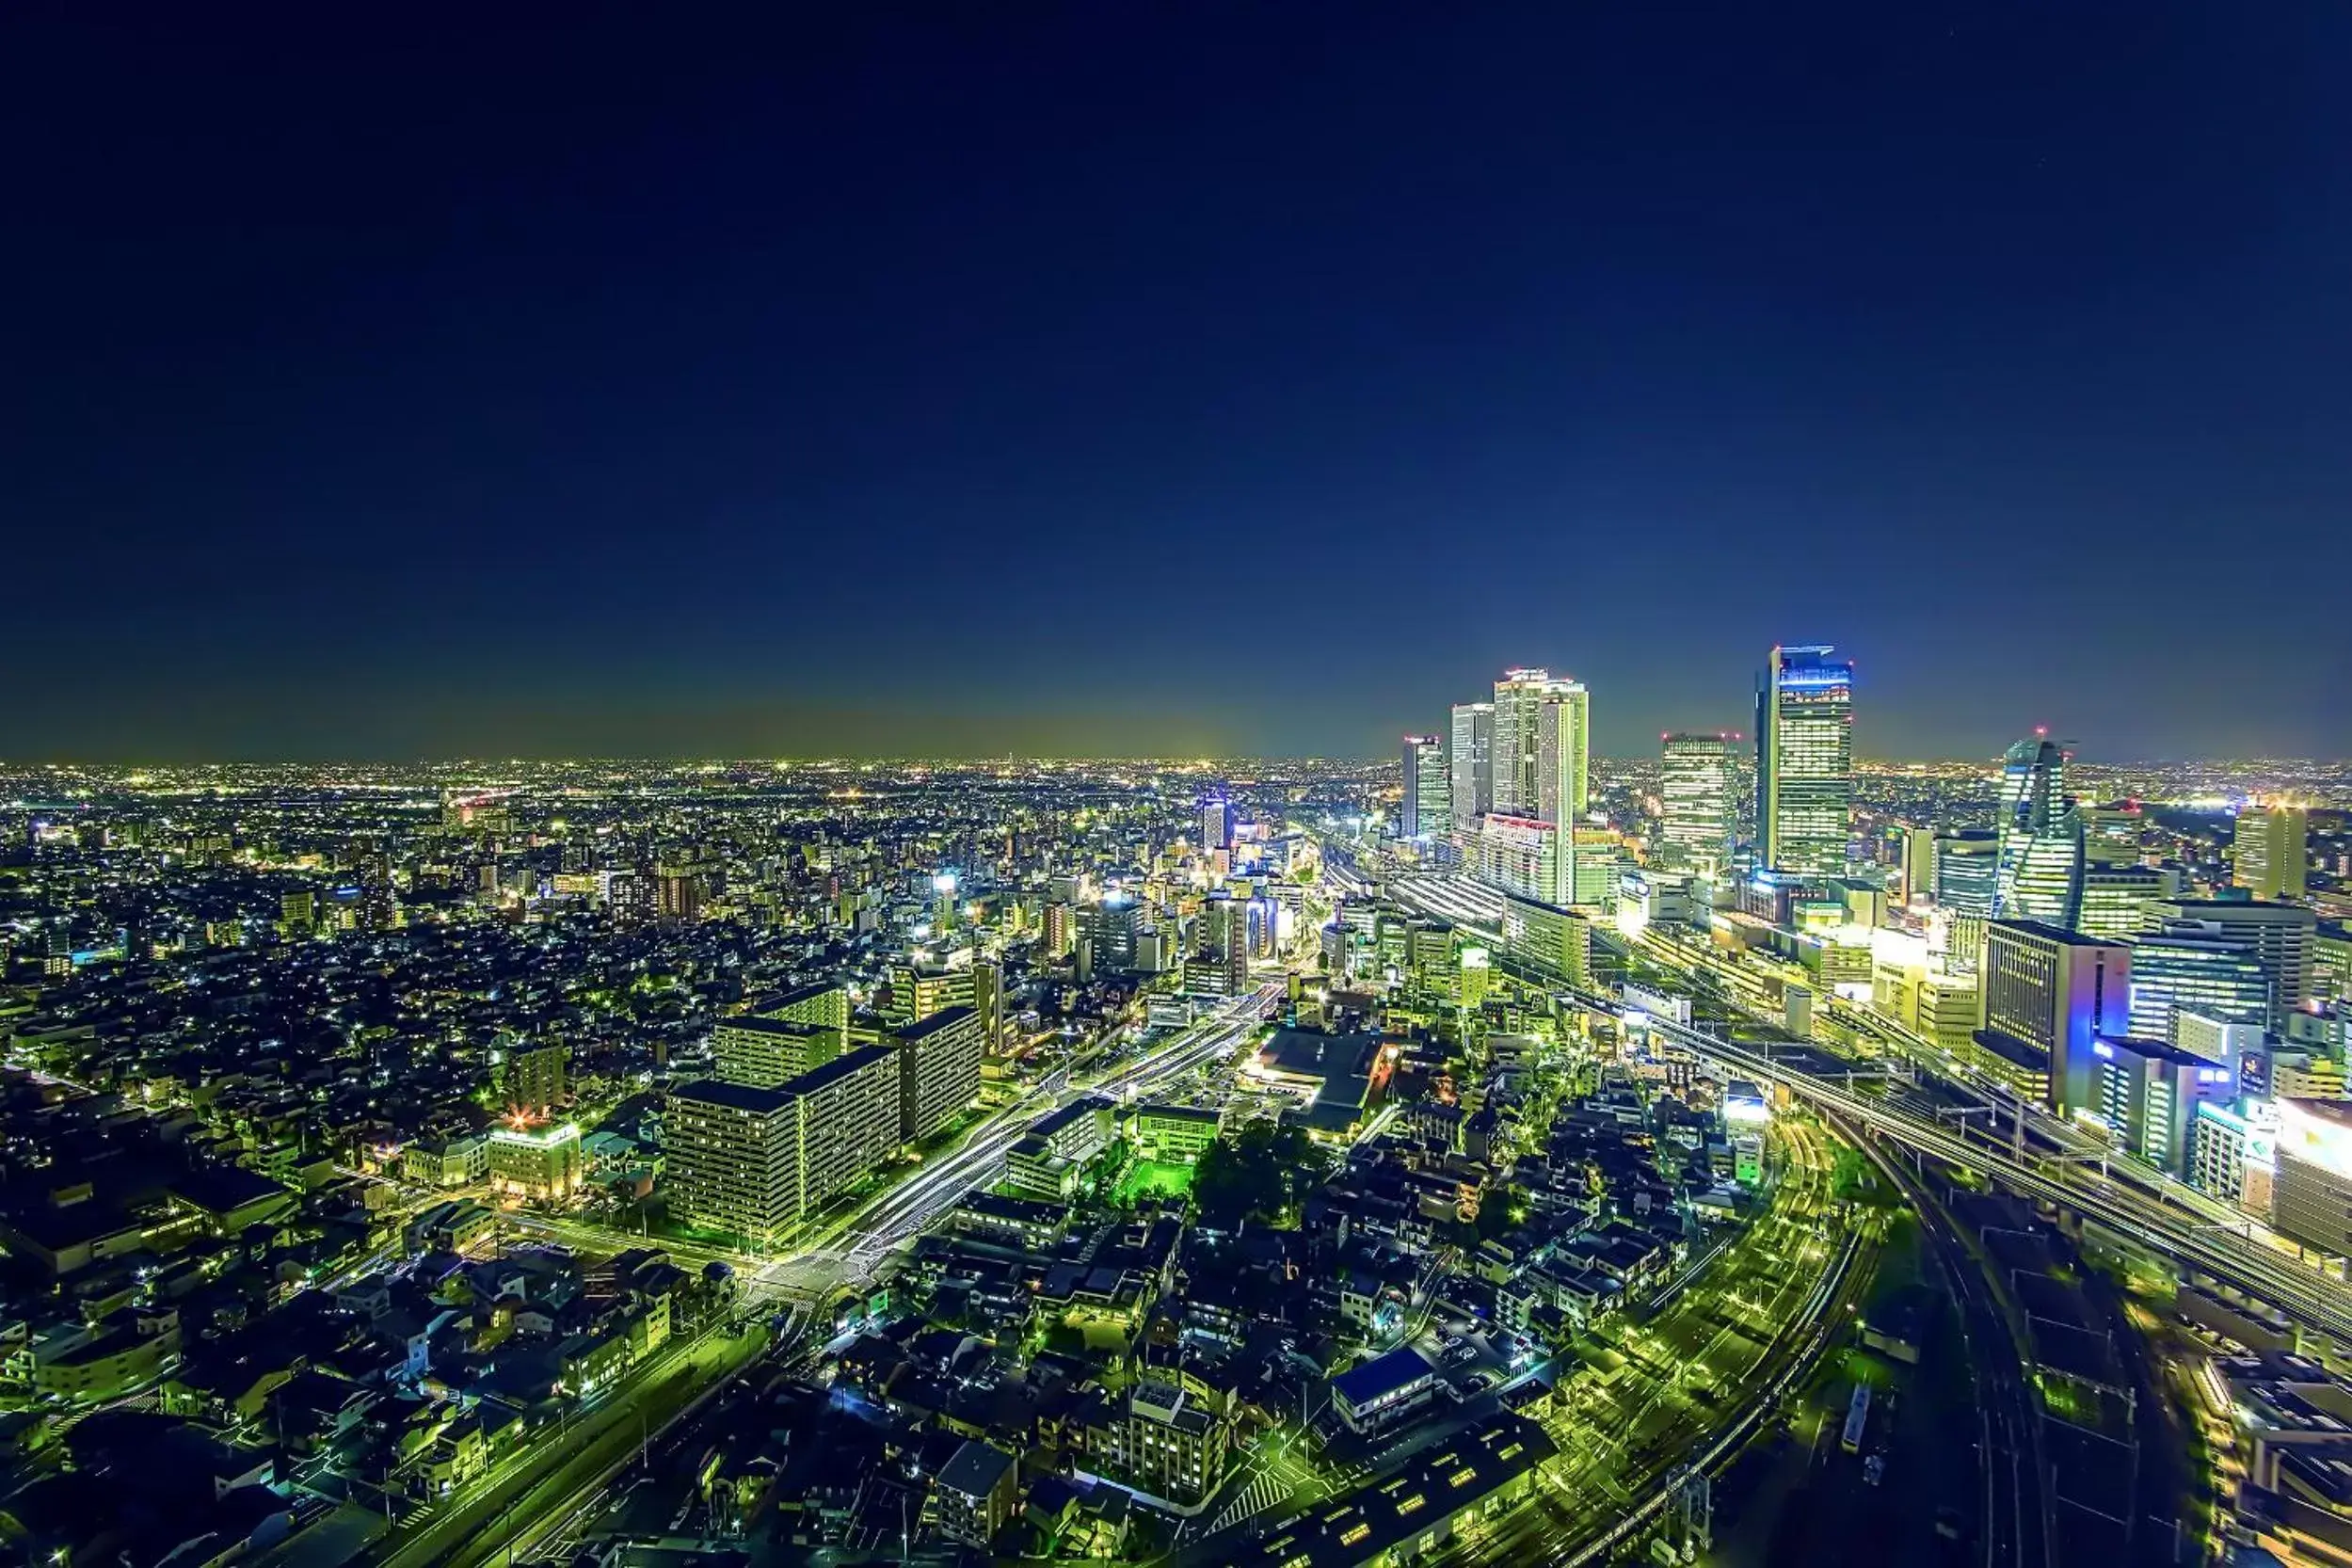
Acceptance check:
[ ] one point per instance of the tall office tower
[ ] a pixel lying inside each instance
(1216, 822)
(1804, 759)
(1967, 868)
(1470, 755)
(1427, 787)
(1697, 817)
(2111, 834)
(938, 1070)
(1223, 966)
(2119, 901)
(2041, 876)
(1114, 926)
(2044, 995)
(1520, 698)
(2273, 849)
(1563, 756)
(2187, 965)
(1915, 862)
(535, 1079)
(2281, 936)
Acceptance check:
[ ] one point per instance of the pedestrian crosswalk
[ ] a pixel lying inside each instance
(1262, 1492)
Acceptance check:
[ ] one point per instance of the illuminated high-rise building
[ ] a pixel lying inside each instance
(1967, 868)
(2044, 995)
(2272, 850)
(1520, 697)
(2041, 836)
(1216, 822)
(2189, 965)
(1697, 812)
(535, 1079)
(2118, 901)
(2281, 935)
(1804, 759)
(1470, 758)
(1427, 788)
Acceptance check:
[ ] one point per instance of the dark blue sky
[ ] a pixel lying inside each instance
(1121, 378)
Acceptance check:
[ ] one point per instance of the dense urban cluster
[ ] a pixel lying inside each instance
(1287, 1163)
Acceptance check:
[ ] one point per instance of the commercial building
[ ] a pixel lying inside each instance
(538, 1163)
(2240, 1045)
(2232, 1159)
(2193, 967)
(1220, 966)
(1547, 940)
(2272, 851)
(2313, 1200)
(1519, 854)
(1520, 766)
(1470, 760)
(938, 1070)
(2040, 839)
(1113, 925)
(2052, 992)
(2281, 936)
(1216, 822)
(1804, 759)
(2119, 901)
(1967, 870)
(766, 1052)
(1427, 788)
(1698, 818)
(2146, 1093)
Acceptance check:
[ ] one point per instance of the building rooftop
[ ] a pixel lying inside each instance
(1400, 1368)
(976, 1468)
(923, 1028)
(839, 1067)
(2058, 934)
(735, 1096)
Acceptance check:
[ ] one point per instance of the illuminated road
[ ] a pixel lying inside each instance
(2156, 1212)
(858, 1246)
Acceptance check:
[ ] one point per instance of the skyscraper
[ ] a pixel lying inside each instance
(1696, 814)
(2272, 850)
(1427, 787)
(1804, 759)
(1471, 759)
(1520, 697)
(2041, 872)
(1216, 822)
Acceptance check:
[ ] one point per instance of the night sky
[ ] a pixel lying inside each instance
(1179, 379)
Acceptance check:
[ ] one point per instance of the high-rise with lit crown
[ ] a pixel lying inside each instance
(1697, 818)
(1520, 697)
(1804, 759)
(2039, 872)
(1427, 788)
(2271, 849)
